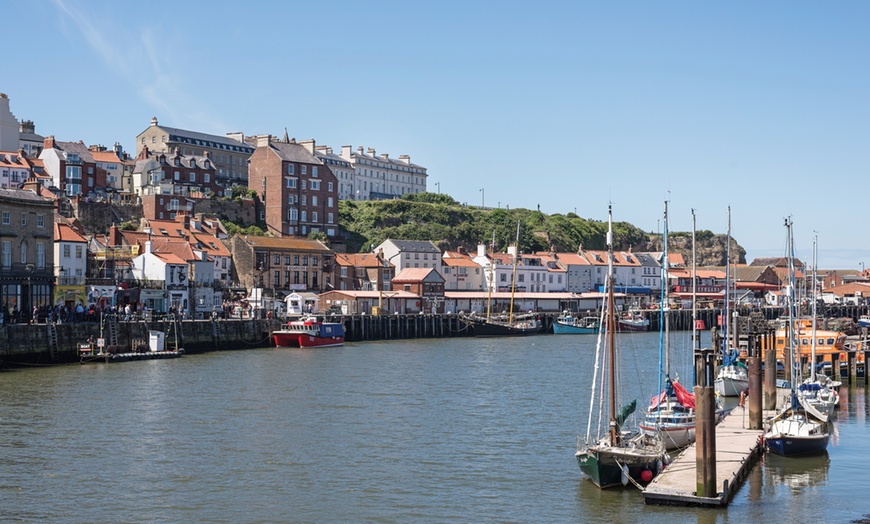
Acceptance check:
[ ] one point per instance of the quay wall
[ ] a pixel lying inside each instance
(23, 344)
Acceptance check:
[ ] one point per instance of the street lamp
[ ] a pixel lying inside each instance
(862, 268)
(482, 201)
(438, 185)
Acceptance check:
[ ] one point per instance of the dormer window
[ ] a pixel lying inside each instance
(177, 161)
(206, 164)
(192, 163)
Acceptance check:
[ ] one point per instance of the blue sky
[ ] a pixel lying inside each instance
(566, 105)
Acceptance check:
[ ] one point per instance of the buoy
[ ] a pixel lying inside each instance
(624, 475)
(646, 475)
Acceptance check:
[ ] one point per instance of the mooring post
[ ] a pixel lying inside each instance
(705, 426)
(769, 373)
(754, 362)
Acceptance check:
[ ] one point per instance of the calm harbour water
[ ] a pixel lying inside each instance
(454, 430)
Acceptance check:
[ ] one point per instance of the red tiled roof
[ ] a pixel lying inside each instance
(64, 233)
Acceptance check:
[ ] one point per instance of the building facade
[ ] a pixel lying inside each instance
(229, 153)
(26, 253)
(299, 192)
(379, 177)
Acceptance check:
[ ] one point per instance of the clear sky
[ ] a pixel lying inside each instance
(762, 106)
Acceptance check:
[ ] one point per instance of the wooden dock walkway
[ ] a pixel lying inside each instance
(737, 449)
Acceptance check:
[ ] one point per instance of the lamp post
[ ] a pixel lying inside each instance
(862, 268)
(438, 185)
(482, 201)
(29, 295)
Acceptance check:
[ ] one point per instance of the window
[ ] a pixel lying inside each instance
(303, 169)
(24, 252)
(23, 219)
(329, 187)
(40, 255)
(304, 200)
(304, 185)
(66, 251)
(329, 202)
(314, 216)
(153, 139)
(313, 199)
(291, 169)
(503, 277)
(295, 260)
(78, 251)
(192, 177)
(313, 170)
(315, 185)
(343, 271)
(294, 214)
(206, 178)
(304, 216)
(286, 260)
(291, 183)
(7, 218)
(6, 254)
(329, 218)
(277, 279)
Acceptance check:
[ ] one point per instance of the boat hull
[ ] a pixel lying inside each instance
(731, 387)
(494, 329)
(674, 436)
(560, 328)
(604, 467)
(792, 446)
(625, 325)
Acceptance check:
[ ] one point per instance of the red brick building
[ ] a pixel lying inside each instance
(299, 192)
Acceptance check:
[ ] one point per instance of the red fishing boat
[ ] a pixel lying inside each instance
(309, 333)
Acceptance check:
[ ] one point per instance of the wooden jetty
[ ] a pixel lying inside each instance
(737, 450)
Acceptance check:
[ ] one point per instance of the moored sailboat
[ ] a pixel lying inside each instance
(733, 376)
(671, 414)
(619, 455)
(507, 324)
(800, 429)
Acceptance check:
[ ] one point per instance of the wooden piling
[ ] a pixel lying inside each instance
(755, 410)
(769, 374)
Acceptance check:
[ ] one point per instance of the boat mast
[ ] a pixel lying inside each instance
(815, 256)
(791, 303)
(695, 339)
(665, 307)
(611, 329)
(514, 277)
(491, 279)
(726, 321)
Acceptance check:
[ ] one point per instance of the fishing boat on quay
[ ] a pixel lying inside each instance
(570, 324)
(615, 455)
(309, 332)
(632, 320)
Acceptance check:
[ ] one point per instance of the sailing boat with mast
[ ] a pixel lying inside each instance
(503, 325)
(820, 392)
(733, 377)
(800, 429)
(614, 456)
(671, 414)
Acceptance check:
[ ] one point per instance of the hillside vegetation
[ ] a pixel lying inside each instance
(439, 218)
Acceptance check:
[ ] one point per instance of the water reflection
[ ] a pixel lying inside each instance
(798, 474)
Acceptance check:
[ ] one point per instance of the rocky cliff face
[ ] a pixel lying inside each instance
(710, 249)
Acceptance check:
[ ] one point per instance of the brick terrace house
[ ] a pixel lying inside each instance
(362, 272)
(26, 251)
(72, 168)
(230, 153)
(281, 265)
(425, 282)
(299, 192)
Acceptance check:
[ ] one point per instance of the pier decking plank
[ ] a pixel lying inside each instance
(737, 449)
